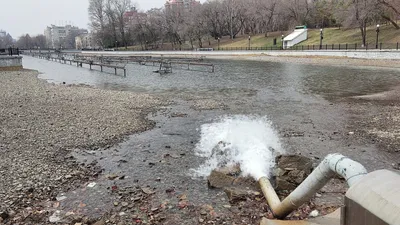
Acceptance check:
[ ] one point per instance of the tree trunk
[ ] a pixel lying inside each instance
(391, 21)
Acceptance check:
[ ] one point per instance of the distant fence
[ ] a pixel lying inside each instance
(381, 46)
(9, 51)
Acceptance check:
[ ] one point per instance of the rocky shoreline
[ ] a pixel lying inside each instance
(41, 123)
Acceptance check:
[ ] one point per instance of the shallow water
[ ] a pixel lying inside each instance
(285, 80)
(296, 98)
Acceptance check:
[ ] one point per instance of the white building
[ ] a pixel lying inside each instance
(56, 35)
(180, 4)
(298, 35)
(84, 41)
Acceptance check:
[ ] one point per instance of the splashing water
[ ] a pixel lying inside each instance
(246, 140)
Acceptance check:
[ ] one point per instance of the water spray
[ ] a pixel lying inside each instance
(252, 143)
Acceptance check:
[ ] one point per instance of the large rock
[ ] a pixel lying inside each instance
(239, 194)
(291, 171)
(219, 179)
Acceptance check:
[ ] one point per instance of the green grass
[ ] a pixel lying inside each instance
(255, 41)
(388, 35)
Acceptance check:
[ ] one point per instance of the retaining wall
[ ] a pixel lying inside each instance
(362, 54)
(10, 62)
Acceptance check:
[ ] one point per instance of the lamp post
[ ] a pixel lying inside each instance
(377, 35)
(116, 44)
(282, 42)
(321, 38)
(249, 42)
(219, 39)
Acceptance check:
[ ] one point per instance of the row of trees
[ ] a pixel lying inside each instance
(28, 42)
(6, 41)
(39, 41)
(217, 18)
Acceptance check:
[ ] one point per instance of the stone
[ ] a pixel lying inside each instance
(295, 162)
(236, 194)
(91, 185)
(69, 176)
(112, 176)
(246, 182)
(61, 198)
(55, 218)
(291, 171)
(201, 220)
(4, 215)
(100, 222)
(230, 170)
(125, 204)
(314, 213)
(219, 180)
(148, 191)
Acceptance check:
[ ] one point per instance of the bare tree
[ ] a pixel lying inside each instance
(97, 17)
(390, 11)
(39, 41)
(25, 42)
(6, 41)
(120, 8)
(359, 13)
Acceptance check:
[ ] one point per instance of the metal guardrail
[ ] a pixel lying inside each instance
(9, 51)
(344, 46)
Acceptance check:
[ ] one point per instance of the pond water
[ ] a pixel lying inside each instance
(298, 99)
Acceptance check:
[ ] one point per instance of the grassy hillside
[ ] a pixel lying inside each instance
(388, 34)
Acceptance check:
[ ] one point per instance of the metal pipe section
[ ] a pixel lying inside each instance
(333, 164)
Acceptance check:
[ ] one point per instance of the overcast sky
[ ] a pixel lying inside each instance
(18, 17)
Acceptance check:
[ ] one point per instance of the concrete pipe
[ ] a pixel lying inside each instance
(333, 164)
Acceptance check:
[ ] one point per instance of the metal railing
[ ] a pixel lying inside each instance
(339, 46)
(9, 51)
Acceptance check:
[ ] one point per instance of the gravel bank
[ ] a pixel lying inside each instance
(40, 123)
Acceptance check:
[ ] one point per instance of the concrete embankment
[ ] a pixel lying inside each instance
(357, 54)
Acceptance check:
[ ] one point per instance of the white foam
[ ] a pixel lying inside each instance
(250, 141)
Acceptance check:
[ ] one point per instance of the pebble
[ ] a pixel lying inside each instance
(91, 185)
(116, 203)
(58, 117)
(125, 204)
(55, 218)
(314, 213)
(201, 220)
(61, 198)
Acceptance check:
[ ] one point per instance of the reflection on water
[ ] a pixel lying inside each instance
(281, 80)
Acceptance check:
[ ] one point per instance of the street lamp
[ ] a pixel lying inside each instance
(116, 44)
(249, 42)
(377, 35)
(282, 42)
(321, 38)
(218, 42)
